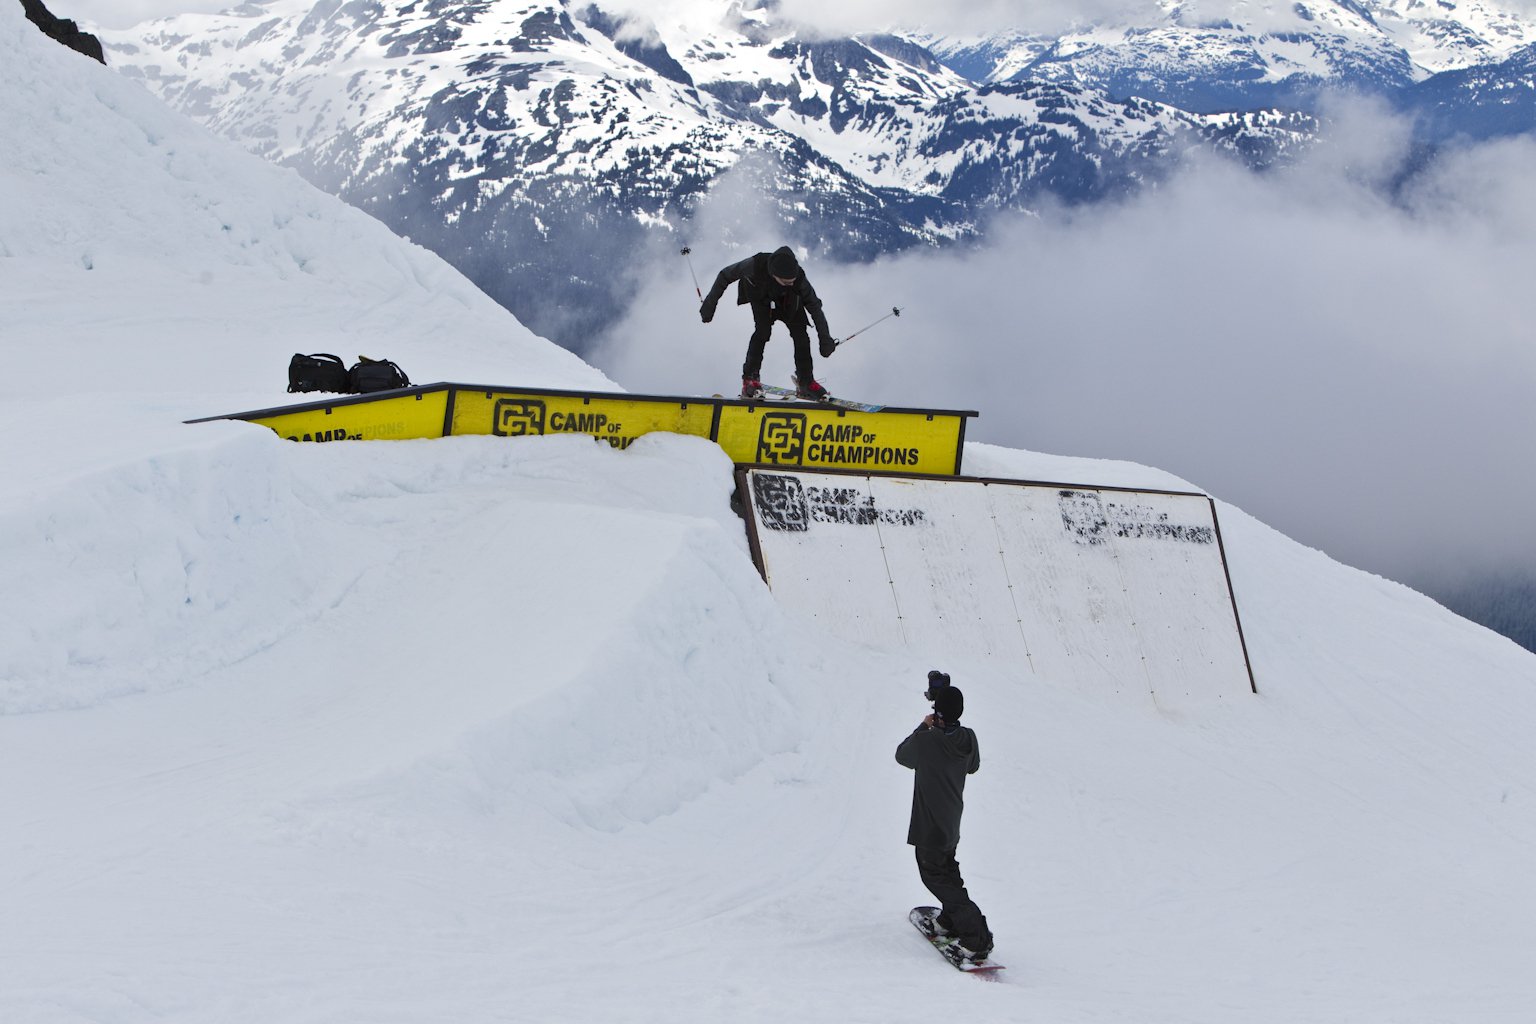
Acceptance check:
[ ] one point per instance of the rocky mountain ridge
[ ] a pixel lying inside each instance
(540, 145)
(1208, 57)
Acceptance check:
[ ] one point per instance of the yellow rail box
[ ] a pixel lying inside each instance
(804, 435)
(389, 416)
(813, 436)
(615, 418)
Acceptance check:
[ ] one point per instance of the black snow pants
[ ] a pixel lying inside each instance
(961, 917)
(765, 313)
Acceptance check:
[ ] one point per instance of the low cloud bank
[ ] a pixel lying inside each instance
(1344, 352)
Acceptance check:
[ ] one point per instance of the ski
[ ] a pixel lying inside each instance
(773, 392)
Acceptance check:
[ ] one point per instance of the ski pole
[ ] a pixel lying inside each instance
(895, 311)
(695, 277)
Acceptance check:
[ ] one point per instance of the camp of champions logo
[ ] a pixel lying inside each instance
(517, 417)
(787, 505)
(327, 435)
(529, 417)
(781, 503)
(791, 439)
(848, 444)
(1092, 520)
(781, 438)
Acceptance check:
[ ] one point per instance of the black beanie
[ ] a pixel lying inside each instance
(949, 702)
(782, 263)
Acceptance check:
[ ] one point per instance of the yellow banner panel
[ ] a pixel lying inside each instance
(384, 418)
(813, 437)
(617, 420)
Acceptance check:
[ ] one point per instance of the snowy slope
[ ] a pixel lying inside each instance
(483, 730)
(144, 256)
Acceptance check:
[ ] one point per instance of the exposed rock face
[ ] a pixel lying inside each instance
(63, 30)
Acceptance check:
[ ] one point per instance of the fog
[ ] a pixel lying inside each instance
(114, 14)
(1351, 361)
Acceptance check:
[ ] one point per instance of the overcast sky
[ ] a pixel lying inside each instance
(845, 16)
(1359, 374)
(122, 13)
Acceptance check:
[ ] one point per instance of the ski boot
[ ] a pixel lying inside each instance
(751, 387)
(810, 391)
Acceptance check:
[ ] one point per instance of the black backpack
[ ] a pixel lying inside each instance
(319, 371)
(376, 375)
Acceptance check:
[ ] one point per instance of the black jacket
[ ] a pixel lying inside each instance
(755, 284)
(942, 758)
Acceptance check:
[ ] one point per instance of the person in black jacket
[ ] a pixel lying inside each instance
(777, 290)
(942, 752)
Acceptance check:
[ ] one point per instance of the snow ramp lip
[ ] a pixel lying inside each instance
(1102, 588)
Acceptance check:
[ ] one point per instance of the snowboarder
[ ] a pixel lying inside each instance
(777, 290)
(942, 752)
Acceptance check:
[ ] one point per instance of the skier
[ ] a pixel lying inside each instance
(777, 289)
(942, 752)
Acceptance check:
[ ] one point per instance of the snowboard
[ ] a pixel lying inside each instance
(922, 920)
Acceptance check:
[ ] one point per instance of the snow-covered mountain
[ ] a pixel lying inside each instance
(489, 729)
(545, 147)
(1219, 56)
(538, 145)
(1484, 101)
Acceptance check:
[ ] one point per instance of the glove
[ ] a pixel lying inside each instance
(828, 346)
(707, 311)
